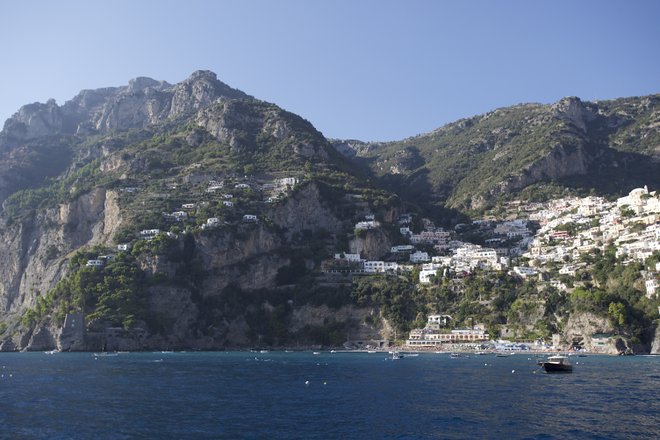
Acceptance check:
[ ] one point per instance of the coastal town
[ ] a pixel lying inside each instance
(541, 241)
(538, 240)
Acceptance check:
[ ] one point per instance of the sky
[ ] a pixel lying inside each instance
(374, 70)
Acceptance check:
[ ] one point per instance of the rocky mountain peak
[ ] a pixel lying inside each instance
(571, 109)
(202, 75)
(144, 101)
(142, 82)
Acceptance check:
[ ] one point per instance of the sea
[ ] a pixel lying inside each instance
(302, 395)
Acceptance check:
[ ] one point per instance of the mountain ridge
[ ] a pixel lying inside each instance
(511, 148)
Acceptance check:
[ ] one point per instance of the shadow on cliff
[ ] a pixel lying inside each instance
(615, 173)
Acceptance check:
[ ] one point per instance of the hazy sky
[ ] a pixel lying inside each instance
(364, 69)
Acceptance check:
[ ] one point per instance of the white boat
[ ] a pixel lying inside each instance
(106, 354)
(52, 351)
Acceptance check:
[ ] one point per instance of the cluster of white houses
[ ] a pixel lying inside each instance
(630, 224)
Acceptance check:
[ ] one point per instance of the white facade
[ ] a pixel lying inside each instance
(369, 224)
(419, 257)
(524, 271)
(349, 257)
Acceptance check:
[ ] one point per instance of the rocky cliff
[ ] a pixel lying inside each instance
(142, 102)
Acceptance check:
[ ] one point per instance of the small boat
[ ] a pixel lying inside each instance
(51, 351)
(263, 351)
(504, 355)
(396, 355)
(106, 354)
(316, 352)
(371, 351)
(455, 355)
(556, 364)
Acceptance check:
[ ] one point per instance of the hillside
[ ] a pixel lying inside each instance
(224, 207)
(537, 151)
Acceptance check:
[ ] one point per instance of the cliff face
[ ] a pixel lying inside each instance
(35, 249)
(655, 347)
(593, 333)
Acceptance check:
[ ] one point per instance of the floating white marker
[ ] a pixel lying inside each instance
(325, 383)
(513, 371)
(306, 382)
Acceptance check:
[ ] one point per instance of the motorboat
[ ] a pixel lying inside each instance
(556, 364)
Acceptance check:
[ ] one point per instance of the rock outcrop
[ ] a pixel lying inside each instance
(144, 101)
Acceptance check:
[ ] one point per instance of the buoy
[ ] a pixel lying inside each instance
(306, 382)
(513, 371)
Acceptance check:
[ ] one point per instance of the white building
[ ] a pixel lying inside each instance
(426, 274)
(149, 232)
(348, 257)
(124, 247)
(249, 218)
(369, 224)
(419, 257)
(524, 271)
(95, 263)
(374, 266)
(287, 181)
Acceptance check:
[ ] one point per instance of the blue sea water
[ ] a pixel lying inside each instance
(277, 395)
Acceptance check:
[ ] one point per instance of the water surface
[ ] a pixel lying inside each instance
(276, 395)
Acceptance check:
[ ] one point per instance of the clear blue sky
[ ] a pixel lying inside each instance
(365, 69)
